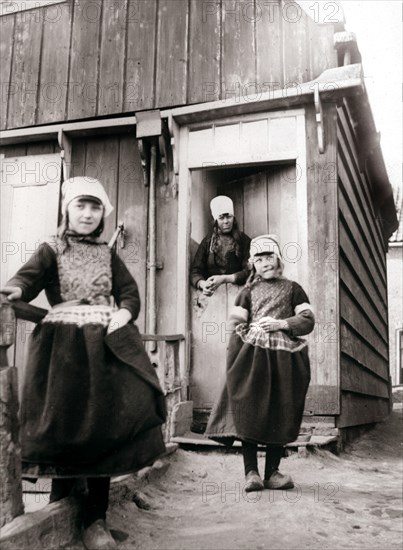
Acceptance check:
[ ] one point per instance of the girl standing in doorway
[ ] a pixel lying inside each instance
(268, 370)
(91, 402)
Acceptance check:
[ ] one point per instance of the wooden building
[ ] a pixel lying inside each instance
(252, 99)
(395, 295)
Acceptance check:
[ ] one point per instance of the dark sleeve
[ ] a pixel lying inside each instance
(198, 270)
(124, 287)
(304, 320)
(38, 273)
(241, 276)
(240, 312)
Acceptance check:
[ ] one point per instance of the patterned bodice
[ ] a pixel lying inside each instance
(272, 297)
(85, 273)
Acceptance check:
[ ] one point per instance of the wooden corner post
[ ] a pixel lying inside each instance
(11, 504)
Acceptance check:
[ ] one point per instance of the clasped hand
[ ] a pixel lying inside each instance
(270, 324)
(212, 283)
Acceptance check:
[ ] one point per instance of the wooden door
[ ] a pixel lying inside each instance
(30, 190)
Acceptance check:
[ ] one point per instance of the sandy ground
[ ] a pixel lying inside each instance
(349, 501)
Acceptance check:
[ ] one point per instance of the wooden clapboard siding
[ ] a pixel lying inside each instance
(323, 289)
(84, 58)
(204, 62)
(54, 67)
(172, 43)
(139, 84)
(358, 380)
(238, 49)
(354, 314)
(348, 252)
(364, 369)
(350, 169)
(6, 53)
(353, 345)
(113, 44)
(361, 409)
(23, 101)
(357, 289)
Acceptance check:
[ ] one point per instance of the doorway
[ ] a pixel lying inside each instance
(265, 201)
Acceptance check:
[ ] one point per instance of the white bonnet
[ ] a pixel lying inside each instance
(265, 244)
(221, 205)
(84, 186)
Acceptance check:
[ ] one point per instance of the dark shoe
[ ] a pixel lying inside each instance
(253, 482)
(278, 481)
(98, 537)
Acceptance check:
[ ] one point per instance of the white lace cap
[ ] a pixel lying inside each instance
(83, 186)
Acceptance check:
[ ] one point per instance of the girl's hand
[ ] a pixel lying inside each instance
(12, 292)
(119, 319)
(270, 324)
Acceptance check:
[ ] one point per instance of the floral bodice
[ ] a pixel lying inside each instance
(273, 298)
(85, 273)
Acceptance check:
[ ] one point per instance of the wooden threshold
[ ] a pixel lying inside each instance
(199, 440)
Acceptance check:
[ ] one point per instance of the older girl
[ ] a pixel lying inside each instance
(91, 403)
(268, 369)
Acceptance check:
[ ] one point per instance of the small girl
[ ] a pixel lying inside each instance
(91, 402)
(268, 369)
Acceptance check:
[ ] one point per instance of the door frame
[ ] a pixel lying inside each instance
(297, 155)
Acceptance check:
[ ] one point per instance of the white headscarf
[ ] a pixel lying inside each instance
(221, 205)
(84, 186)
(264, 244)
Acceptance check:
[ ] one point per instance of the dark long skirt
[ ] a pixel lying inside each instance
(91, 404)
(263, 397)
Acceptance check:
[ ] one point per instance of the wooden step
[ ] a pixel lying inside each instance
(190, 439)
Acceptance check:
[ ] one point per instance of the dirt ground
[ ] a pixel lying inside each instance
(347, 501)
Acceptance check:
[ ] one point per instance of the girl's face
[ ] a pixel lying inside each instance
(85, 215)
(225, 223)
(267, 265)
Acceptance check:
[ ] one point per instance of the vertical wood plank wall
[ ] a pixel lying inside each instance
(87, 58)
(323, 271)
(364, 366)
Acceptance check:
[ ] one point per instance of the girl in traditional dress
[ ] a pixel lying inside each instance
(91, 402)
(268, 369)
(222, 256)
